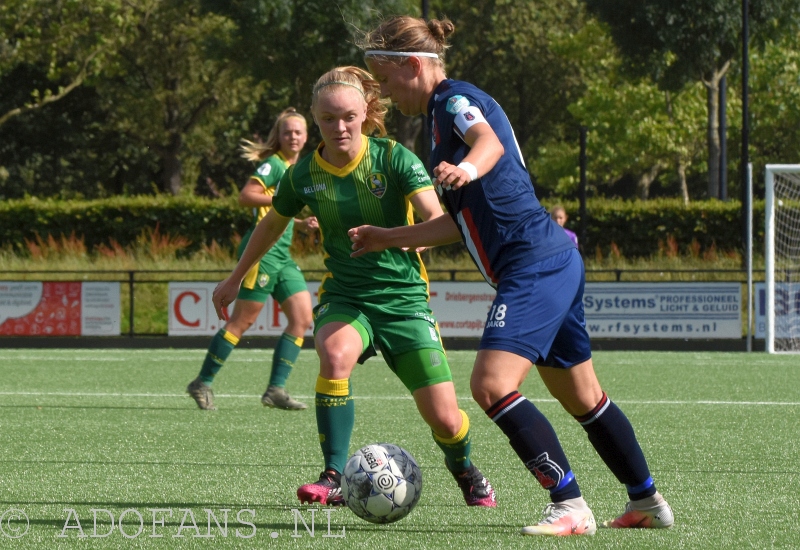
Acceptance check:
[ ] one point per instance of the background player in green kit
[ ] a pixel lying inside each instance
(378, 300)
(276, 274)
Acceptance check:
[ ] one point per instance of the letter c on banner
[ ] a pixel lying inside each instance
(177, 308)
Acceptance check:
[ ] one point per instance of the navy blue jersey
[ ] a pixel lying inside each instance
(501, 221)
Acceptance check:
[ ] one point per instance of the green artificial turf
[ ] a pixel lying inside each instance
(103, 433)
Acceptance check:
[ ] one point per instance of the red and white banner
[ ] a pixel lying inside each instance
(191, 312)
(460, 308)
(59, 308)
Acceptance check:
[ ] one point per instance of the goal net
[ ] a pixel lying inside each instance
(782, 258)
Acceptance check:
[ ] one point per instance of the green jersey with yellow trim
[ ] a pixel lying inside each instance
(269, 174)
(373, 189)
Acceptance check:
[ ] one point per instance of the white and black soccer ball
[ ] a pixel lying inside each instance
(381, 483)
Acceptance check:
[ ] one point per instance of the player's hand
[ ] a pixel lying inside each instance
(311, 224)
(366, 238)
(449, 176)
(224, 294)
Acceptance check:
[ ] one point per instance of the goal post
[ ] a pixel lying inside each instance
(782, 257)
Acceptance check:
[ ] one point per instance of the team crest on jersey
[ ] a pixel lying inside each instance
(377, 184)
(263, 279)
(264, 169)
(456, 103)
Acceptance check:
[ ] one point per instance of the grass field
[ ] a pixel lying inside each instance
(88, 433)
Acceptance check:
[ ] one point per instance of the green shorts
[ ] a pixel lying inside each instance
(410, 344)
(281, 284)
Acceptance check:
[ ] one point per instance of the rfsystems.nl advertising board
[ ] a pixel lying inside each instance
(59, 308)
(663, 310)
(613, 310)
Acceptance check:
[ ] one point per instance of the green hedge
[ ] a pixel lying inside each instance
(123, 219)
(636, 228)
(642, 228)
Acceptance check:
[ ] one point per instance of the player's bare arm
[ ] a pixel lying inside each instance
(436, 232)
(426, 204)
(485, 151)
(264, 237)
(252, 195)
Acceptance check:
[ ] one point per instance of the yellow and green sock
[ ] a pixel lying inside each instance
(457, 448)
(287, 350)
(221, 346)
(336, 415)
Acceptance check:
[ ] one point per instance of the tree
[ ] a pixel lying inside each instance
(290, 43)
(71, 40)
(634, 129)
(693, 40)
(775, 104)
(169, 93)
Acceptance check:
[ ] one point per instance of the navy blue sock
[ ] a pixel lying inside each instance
(612, 435)
(536, 443)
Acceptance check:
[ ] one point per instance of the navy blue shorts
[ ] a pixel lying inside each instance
(538, 313)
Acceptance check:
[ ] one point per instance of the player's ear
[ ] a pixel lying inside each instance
(416, 65)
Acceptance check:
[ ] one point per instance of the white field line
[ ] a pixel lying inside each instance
(388, 398)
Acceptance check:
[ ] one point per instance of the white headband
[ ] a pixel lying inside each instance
(400, 54)
(340, 83)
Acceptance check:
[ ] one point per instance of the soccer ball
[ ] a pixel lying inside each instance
(381, 483)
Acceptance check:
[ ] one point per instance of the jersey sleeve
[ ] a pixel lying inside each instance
(286, 202)
(269, 173)
(409, 171)
(465, 114)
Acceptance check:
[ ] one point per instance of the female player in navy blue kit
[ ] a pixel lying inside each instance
(537, 317)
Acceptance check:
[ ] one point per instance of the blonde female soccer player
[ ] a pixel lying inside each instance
(276, 273)
(377, 301)
(537, 316)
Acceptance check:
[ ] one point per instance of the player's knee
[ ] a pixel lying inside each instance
(336, 363)
(446, 425)
(486, 391)
(441, 430)
(300, 322)
(481, 394)
(238, 326)
(453, 424)
(335, 360)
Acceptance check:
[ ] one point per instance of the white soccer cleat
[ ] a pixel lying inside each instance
(649, 513)
(569, 517)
